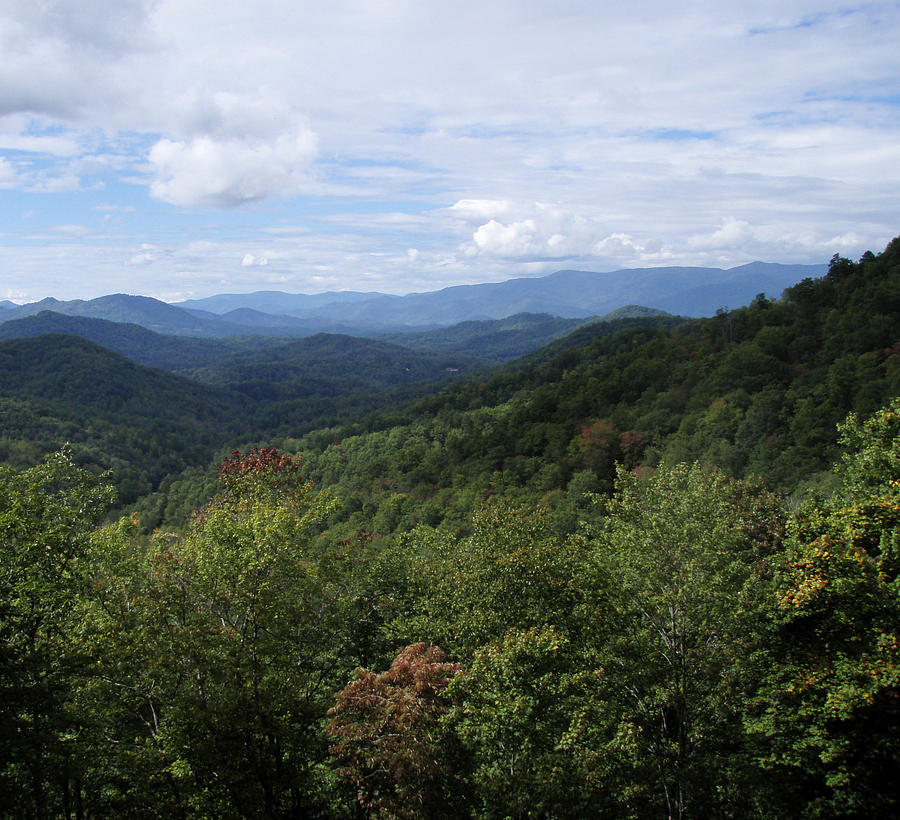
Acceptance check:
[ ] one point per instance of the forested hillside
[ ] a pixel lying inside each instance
(140, 423)
(756, 391)
(147, 425)
(500, 340)
(180, 354)
(648, 571)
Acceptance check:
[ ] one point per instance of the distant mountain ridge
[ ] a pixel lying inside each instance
(567, 294)
(274, 301)
(207, 359)
(179, 354)
(162, 317)
(145, 311)
(572, 294)
(500, 340)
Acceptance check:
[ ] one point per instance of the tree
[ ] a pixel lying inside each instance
(46, 515)
(829, 712)
(684, 549)
(517, 712)
(511, 573)
(387, 737)
(227, 650)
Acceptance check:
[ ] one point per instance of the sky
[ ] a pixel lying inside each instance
(182, 148)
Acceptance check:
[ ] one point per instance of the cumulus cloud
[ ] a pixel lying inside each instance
(734, 233)
(225, 173)
(514, 239)
(739, 240)
(235, 148)
(251, 261)
(545, 235)
(543, 231)
(620, 244)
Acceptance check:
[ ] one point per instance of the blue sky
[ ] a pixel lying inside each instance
(178, 148)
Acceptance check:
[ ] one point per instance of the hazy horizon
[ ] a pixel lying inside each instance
(407, 293)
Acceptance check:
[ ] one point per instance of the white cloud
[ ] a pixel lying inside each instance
(39, 144)
(50, 183)
(544, 231)
(480, 209)
(205, 171)
(251, 261)
(619, 245)
(235, 149)
(20, 175)
(514, 239)
(372, 128)
(734, 233)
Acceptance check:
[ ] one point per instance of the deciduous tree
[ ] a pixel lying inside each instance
(388, 739)
(830, 712)
(684, 549)
(46, 515)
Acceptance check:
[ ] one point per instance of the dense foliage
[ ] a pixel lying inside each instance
(585, 587)
(695, 652)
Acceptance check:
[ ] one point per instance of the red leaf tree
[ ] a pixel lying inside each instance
(388, 739)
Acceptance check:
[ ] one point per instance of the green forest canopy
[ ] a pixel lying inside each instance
(691, 650)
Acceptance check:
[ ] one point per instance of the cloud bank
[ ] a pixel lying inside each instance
(407, 146)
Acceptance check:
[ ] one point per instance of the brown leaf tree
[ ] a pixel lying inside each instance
(388, 738)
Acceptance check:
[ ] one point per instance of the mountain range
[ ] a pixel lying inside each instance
(688, 291)
(487, 341)
(568, 294)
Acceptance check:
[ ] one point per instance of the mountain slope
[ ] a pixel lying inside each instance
(71, 371)
(273, 301)
(140, 310)
(145, 423)
(179, 354)
(757, 391)
(140, 422)
(190, 321)
(494, 341)
(501, 340)
(330, 364)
